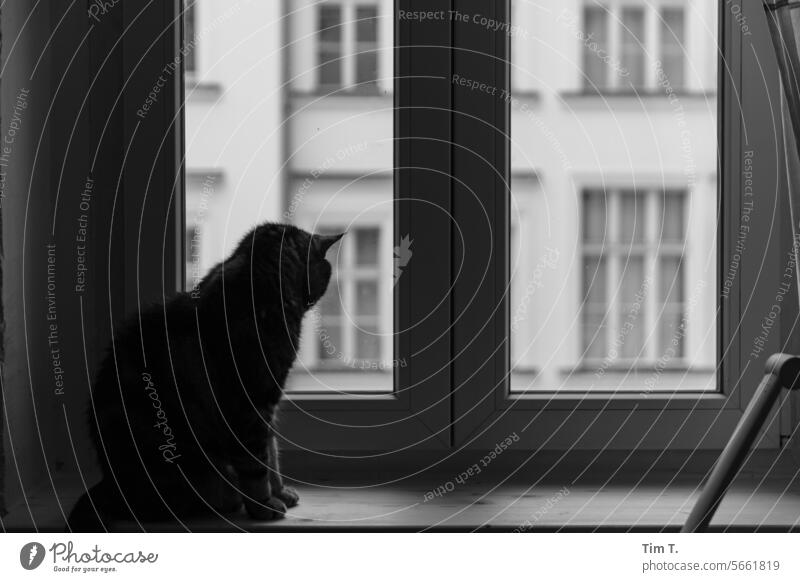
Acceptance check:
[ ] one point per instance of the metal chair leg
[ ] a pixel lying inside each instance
(782, 372)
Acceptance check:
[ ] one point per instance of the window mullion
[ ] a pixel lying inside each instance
(348, 319)
(614, 35)
(651, 45)
(651, 301)
(349, 45)
(615, 262)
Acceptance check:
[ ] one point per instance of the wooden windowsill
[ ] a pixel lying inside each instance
(589, 496)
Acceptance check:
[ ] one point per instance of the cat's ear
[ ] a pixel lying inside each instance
(322, 243)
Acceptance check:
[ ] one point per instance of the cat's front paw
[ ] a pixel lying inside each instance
(289, 496)
(271, 509)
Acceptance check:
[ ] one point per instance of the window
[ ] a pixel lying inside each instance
(633, 283)
(613, 256)
(332, 172)
(347, 46)
(349, 332)
(629, 45)
(610, 211)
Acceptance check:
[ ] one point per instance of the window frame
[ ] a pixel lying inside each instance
(650, 250)
(684, 420)
(468, 402)
(415, 415)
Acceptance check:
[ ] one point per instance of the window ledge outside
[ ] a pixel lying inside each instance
(628, 95)
(596, 367)
(339, 382)
(528, 94)
(342, 93)
(205, 91)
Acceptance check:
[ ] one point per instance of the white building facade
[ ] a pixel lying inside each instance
(614, 179)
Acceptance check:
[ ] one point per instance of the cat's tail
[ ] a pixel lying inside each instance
(95, 510)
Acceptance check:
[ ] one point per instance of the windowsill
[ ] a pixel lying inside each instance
(339, 381)
(204, 91)
(622, 492)
(344, 370)
(525, 371)
(644, 94)
(594, 368)
(342, 93)
(527, 94)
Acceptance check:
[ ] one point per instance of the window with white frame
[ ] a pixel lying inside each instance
(633, 277)
(347, 46)
(349, 333)
(633, 45)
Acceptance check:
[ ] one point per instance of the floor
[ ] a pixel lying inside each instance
(602, 499)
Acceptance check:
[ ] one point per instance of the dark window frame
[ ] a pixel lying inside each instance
(460, 380)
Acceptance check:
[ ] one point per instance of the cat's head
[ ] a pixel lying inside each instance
(290, 261)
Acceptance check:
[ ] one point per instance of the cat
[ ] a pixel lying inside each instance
(183, 409)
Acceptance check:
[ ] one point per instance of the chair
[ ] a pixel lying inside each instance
(782, 370)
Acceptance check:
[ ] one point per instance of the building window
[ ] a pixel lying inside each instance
(633, 277)
(349, 331)
(631, 45)
(348, 46)
(190, 37)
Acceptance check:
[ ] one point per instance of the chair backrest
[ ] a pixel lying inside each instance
(783, 17)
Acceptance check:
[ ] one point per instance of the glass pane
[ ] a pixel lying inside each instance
(671, 278)
(366, 24)
(331, 302)
(632, 222)
(367, 247)
(280, 133)
(630, 332)
(672, 45)
(671, 335)
(329, 338)
(594, 335)
(367, 343)
(594, 281)
(366, 298)
(367, 53)
(594, 216)
(190, 36)
(619, 193)
(330, 20)
(330, 67)
(330, 46)
(595, 68)
(673, 218)
(633, 45)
